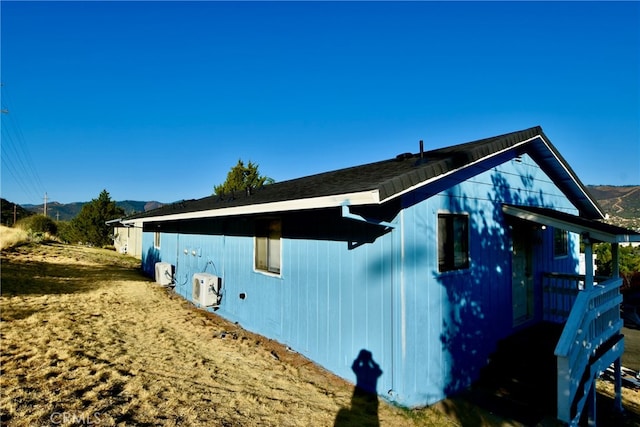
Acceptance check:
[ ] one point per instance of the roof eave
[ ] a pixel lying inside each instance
(613, 235)
(348, 199)
(592, 208)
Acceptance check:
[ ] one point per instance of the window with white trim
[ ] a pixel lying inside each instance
(267, 246)
(453, 242)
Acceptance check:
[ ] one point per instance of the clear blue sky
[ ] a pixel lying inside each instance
(157, 100)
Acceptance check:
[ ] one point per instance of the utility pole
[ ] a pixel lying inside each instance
(15, 213)
(45, 204)
(57, 216)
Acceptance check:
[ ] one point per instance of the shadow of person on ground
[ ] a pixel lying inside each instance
(364, 402)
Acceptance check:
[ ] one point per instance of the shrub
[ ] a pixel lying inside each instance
(38, 224)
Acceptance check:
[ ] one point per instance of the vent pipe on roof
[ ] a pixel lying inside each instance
(422, 159)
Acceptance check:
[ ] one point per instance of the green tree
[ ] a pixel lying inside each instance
(603, 258)
(67, 233)
(629, 259)
(242, 178)
(90, 225)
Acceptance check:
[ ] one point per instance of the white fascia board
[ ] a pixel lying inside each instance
(444, 175)
(573, 178)
(338, 200)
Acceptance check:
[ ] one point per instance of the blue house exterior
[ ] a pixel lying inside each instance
(420, 260)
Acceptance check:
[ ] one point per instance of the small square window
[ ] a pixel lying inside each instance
(453, 242)
(560, 242)
(267, 246)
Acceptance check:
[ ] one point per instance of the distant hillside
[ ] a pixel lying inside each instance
(132, 206)
(58, 211)
(622, 203)
(68, 211)
(7, 209)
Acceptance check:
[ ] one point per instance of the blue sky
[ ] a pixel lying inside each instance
(157, 100)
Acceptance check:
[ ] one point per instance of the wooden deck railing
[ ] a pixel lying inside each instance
(589, 343)
(559, 294)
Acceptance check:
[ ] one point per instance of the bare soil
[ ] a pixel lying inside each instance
(85, 339)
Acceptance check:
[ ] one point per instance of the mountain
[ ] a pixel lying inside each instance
(132, 206)
(58, 211)
(68, 211)
(621, 203)
(8, 209)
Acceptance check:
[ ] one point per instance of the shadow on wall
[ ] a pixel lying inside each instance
(364, 402)
(149, 262)
(321, 224)
(479, 299)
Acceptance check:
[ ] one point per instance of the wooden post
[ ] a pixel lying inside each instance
(617, 365)
(563, 384)
(591, 415)
(588, 260)
(617, 368)
(615, 260)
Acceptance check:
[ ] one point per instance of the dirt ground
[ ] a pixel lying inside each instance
(87, 340)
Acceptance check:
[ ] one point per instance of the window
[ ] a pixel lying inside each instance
(560, 242)
(267, 246)
(453, 242)
(156, 240)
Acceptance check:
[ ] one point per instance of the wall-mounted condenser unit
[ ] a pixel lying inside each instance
(206, 290)
(164, 273)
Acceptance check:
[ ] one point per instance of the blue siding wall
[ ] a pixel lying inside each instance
(449, 323)
(330, 302)
(429, 332)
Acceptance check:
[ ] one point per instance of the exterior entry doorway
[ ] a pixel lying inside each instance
(522, 241)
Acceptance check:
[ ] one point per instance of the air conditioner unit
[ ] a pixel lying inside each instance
(206, 290)
(164, 273)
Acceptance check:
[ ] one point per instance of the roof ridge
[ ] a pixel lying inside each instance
(383, 180)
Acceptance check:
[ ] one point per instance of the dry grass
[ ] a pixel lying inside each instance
(85, 339)
(10, 237)
(85, 336)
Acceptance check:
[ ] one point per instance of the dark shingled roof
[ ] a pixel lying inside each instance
(389, 177)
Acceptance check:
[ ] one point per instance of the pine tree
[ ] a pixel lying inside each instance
(242, 178)
(90, 225)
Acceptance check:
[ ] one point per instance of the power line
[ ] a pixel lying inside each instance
(16, 158)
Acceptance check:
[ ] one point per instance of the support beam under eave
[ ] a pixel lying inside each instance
(588, 259)
(617, 366)
(615, 260)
